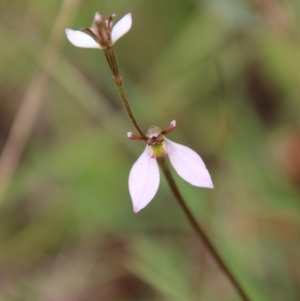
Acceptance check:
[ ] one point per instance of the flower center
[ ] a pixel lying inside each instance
(102, 30)
(156, 141)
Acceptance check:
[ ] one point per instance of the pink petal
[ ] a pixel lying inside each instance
(121, 27)
(81, 39)
(143, 180)
(188, 165)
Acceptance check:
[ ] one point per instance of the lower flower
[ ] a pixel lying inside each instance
(144, 175)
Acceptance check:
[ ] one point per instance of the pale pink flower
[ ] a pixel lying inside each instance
(144, 175)
(102, 34)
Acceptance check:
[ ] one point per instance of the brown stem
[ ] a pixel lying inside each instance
(119, 84)
(199, 231)
(112, 61)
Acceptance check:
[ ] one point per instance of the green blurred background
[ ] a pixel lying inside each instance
(228, 71)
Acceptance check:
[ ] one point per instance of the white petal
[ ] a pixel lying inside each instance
(188, 165)
(143, 180)
(81, 39)
(121, 27)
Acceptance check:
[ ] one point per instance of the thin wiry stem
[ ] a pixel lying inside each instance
(119, 84)
(199, 231)
(112, 61)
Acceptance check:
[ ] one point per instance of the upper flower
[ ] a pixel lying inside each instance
(102, 34)
(144, 175)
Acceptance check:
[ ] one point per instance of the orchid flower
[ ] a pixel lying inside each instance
(102, 34)
(144, 175)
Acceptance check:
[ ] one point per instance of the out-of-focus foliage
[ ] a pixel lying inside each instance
(229, 72)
